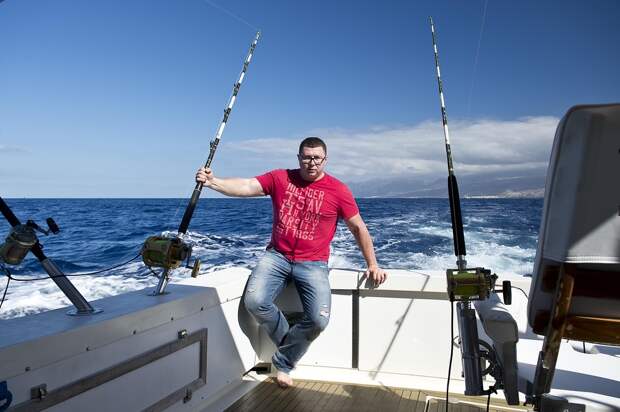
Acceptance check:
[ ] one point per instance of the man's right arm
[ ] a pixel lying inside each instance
(233, 186)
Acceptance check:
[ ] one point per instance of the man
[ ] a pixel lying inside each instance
(307, 203)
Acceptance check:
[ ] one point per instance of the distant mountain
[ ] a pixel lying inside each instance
(525, 185)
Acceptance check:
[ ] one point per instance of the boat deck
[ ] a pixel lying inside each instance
(309, 395)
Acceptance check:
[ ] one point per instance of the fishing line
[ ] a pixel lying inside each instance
(11, 277)
(107, 269)
(241, 20)
(473, 76)
(451, 351)
(522, 291)
(8, 280)
(231, 14)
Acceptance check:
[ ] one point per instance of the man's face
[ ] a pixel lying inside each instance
(312, 161)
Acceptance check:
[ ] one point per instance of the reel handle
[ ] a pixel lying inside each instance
(506, 292)
(52, 226)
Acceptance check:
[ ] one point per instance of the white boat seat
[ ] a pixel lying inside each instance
(579, 237)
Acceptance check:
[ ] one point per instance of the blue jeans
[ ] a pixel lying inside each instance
(268, 279)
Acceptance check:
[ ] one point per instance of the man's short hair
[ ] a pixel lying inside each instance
(311, 142)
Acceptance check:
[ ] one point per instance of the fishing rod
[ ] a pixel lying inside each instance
(189, 211)
(466, 285)
(23, 239)
(169, 252)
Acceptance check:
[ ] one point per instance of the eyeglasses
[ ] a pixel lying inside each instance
(318, 160)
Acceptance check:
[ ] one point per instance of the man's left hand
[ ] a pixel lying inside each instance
(376, 275)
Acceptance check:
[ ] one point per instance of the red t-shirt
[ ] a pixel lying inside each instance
(305, 214)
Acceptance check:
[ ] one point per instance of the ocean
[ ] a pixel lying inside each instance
(500, 234)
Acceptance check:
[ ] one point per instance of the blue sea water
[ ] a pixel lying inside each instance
(500, 234)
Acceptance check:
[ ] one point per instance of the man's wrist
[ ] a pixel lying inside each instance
(212, 184)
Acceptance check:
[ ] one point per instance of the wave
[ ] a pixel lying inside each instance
(408, 234)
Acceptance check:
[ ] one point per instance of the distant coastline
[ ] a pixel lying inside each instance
(508, 194)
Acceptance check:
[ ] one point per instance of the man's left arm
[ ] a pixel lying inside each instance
(359, 230)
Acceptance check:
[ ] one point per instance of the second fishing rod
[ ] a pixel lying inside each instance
(465, 285)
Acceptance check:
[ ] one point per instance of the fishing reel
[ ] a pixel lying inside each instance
(22, 238)
(168, 253)
(475, 284)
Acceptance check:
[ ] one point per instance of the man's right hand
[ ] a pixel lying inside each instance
(204, 176)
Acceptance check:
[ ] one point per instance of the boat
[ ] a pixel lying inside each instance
(194, 347)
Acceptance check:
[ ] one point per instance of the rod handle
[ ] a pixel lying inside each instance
(455, 214)
(189, 211)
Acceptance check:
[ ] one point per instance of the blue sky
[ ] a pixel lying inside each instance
(121, 98)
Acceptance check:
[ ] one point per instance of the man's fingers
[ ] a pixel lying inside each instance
(204, 175)
(378, 276)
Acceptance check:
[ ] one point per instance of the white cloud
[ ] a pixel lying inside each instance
(480, 146)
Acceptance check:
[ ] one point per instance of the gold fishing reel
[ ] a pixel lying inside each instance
(168, 253)
(475, 284)
(470, 284)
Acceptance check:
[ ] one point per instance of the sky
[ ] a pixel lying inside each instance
(121, 98)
